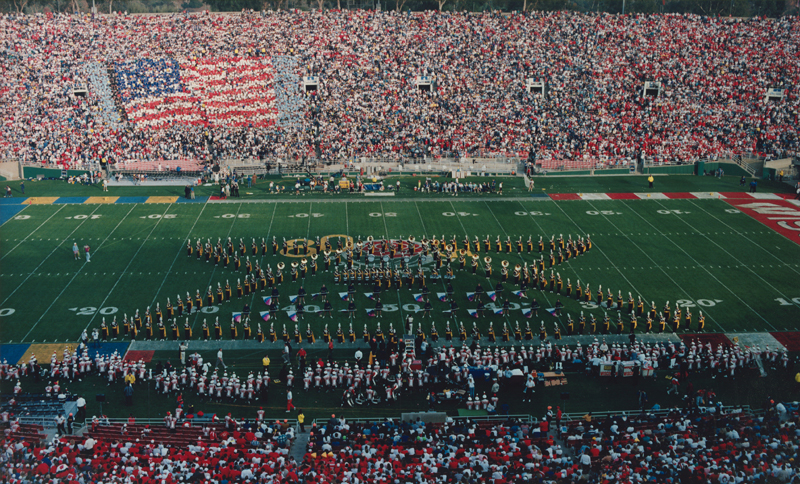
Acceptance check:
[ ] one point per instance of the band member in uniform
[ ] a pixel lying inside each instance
(593, 324)
(581, 324)
(662, 324)
(351, 334)
(217, 330)
(701, 322)
(234, 329)
(606, 324)
(620, 323)
(517, 332)
(687, 322)
(505, 336)
(556, 331)
(542, 332)
(273, 336)
(534, 307)
(666, 311)
(187, 330)
(285, 334)
(559, 307)
(340, 334)
(274, 246)
(434, 333)
(366, 334)
(640, 307)
(326, 334)
(448, 333)
(206, 332)
(327, 308)
(570, 326)
(175, 333)
(298, 338)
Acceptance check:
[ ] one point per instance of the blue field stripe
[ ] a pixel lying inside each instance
(540, 195)
(12, 353)
(9, 211)
(13, 200)
(64, 200)
(107, 349)
(131, 199)
(196, 200)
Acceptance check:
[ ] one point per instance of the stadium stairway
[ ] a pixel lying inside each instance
(299, 446)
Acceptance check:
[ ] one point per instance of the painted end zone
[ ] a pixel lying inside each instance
(13, 353)
(43, 352)
(736, 195)
(161, 199)
(779, 215)
(7, 212)
(64, 200)
(91, 200)
(622, 196)
(136, 355)
(565, 196)
(789, 339)
(13, 200)
(131, 200)
(192, 200)
(715, 339)
(41, 200)
(679, 195)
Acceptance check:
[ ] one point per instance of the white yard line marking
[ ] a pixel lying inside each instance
(261, 260)
(699, 265)
(638, 293)
(48, 256)
(655, 265)
(76, 275)
(187, 239)
(128, 266)
(211, 278)
(544, 294)
(745, 237)
(34, 230)
(737, 260)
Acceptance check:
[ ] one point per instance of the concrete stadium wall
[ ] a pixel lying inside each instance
(9, 170)
(33, 172)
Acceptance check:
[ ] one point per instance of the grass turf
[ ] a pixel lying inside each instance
(586, 393)
(719, 260)
(513, 187)
(709, 256)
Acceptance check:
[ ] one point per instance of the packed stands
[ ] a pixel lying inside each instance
(212, 87)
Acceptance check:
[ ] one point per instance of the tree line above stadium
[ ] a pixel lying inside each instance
(736, 8)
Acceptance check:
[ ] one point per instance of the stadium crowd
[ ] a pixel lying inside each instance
(703, 441)
(714, 74)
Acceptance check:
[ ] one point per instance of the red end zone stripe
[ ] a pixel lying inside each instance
(779, 215)
(623, 196)
(144, 355)
(715, 339)
(679, 195)
(736, 195)
(565, 196)
(789, 339)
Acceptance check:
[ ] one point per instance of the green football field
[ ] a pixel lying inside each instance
(701, 254)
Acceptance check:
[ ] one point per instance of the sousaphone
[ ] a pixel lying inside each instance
(281, 265)
(487, 260)
(505, 264)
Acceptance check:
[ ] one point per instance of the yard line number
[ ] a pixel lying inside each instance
(781, 301)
